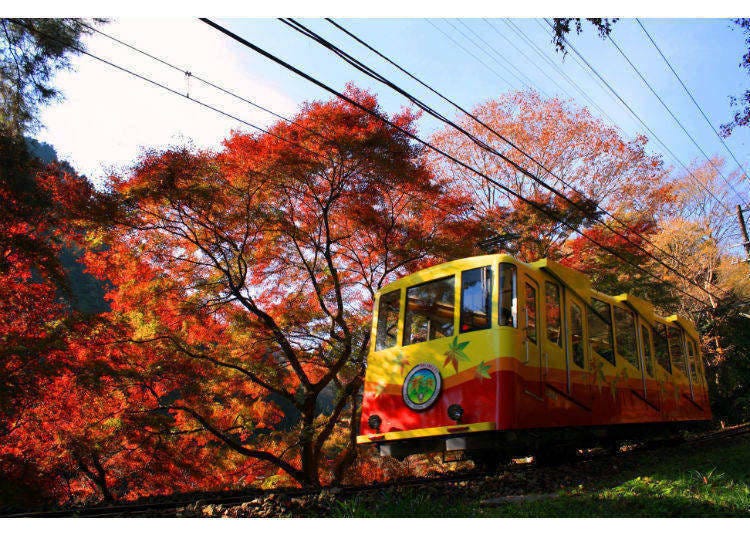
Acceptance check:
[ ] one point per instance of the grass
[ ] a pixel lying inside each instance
(689, 481)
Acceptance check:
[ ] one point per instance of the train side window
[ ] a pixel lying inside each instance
(600, 329)
(674, 336)
(647, 357)
(552, 314)
(531, 313)
(429, 311)
(661, 348)
(507, 307)
(625, 336)
(576, 335)
(388, 309)
(476, 299)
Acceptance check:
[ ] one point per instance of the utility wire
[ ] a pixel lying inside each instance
(539, 53)
(614, 92)
(481, 143)
(370, 112)
(708, 121)
(541, 69)
(469, 52)
(188, 97)
(584, 69)
(497, 53)
(160, 85)
(509, 142)
(452, 158)
(664, 104)
(232, 94)
(209, 83)
(525, 80)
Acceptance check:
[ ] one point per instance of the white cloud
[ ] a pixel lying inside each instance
(108, 117)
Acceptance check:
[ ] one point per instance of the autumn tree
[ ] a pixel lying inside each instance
(252, 272)
(696, 232)
(578, 155)
(32, 219)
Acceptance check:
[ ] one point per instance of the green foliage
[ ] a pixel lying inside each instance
(728, 369)
(561, 28)
(712, 480)
(31, 51)
(402, 503)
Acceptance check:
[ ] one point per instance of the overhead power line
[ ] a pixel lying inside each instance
(643, 123)
(206, 82)
(525, 80)
(692, 98)
(188, 97)
(370, 112)
(232, 94)
(512, 144)
(669, 110)
(450, 157)
(469, 52)
(518, 31)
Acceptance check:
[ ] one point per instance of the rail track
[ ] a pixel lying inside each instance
(172, 506)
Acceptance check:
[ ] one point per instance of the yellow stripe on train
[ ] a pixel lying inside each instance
(425, 432)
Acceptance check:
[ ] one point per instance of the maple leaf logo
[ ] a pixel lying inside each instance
(402, 361)
(483, 371)
(455, 353)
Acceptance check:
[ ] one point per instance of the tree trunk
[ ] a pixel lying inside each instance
(309, 463)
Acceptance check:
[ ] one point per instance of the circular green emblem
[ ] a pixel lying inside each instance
(421, 386)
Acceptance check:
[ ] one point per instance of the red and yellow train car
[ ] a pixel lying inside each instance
(499, 356)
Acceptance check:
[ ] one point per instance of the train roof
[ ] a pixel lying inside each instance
(573, 279)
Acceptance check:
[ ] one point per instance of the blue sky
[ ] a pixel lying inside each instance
(108, 117)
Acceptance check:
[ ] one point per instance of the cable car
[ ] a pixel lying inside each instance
(499, 357)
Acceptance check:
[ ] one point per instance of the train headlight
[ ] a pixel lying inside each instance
(374, 422)
(455, 412)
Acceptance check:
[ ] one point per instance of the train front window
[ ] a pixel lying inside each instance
(625, 336)
(661, 348)
(429, 311)
(507, 307)
(476, 299)
(552, 312)
(388, 310)
(674, 336)
(600, 329)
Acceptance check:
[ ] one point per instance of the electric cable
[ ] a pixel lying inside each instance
(669, 110)
(498, 134)
(360, 66)
(692, 98)
(630, 109)
(452, 158)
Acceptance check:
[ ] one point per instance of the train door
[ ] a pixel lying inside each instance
(532, 349)
(553, 341)
(680, 373)
(668, 396)
(694, 372)
(646, 354)
(577, 352)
